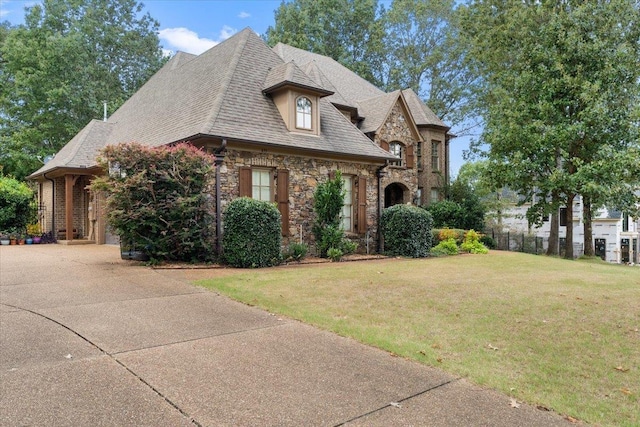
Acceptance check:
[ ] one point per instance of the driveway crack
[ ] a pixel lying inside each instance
(394, 404)
(111, 356)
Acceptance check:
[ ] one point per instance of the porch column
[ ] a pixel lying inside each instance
(68, 204)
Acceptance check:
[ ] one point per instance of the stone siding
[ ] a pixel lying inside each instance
(304, 176)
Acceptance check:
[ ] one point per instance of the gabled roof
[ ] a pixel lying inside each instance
(422, 115)
(80, 152)
(377, 110)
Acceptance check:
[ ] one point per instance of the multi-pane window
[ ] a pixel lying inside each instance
(303, 113)
(435, 155)
(563, 217)
(261, 184)
(395, 148)
(347, 208)
(419, 155)
(435, 196)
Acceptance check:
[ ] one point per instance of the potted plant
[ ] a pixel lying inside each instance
(33, 230)
(4, 238)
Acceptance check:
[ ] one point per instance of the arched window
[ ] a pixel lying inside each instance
(303, 113)
(396, 148)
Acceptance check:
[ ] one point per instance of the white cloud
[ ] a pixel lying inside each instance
(227, 32)
(186, 40)
(244, 15)
(4, 12)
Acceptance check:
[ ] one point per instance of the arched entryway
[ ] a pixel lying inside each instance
(394, 194)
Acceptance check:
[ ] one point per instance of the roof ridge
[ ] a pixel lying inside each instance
(230, 72)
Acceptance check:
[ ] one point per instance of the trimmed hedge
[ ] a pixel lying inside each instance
(252, 234)
(407, 231)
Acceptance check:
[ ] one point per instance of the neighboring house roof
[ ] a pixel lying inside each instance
(80, 152)
(220, 94)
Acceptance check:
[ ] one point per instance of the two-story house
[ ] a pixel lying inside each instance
(279, 120)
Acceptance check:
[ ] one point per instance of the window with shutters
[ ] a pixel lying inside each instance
(261, 182)
(419, 155)
(347, 207)
(397, 150)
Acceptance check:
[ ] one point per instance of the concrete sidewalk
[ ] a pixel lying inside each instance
(89, 339)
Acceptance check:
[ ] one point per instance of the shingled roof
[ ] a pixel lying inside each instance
(354, 91)
(219, 94)
(80, 152)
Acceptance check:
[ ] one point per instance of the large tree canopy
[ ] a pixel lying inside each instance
(61, 65)
(348, 31)
(561, 86)
(414, 44)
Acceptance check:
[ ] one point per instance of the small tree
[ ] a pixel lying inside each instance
(407, 231)
(328, 202)
(17, 208)
(157, 199)
(252, 234)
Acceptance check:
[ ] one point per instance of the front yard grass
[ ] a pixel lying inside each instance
(564, 335)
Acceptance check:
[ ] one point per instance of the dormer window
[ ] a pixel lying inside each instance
(303, 113)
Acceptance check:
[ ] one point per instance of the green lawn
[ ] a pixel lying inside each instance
(561, 334)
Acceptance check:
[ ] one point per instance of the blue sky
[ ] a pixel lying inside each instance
(197, 25)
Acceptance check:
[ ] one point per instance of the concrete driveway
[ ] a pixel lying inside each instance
(87, 339)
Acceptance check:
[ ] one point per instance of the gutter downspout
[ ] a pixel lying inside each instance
(219, 154)
(53, 204)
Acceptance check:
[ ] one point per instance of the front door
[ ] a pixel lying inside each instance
(601, 248)
(624, 250)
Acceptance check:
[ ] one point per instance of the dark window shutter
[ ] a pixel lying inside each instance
(384, 145)
(362, 205)
(410, 163)
(282, 192)
(245, 182)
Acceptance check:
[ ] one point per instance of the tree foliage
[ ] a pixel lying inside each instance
(427, 53)
(348, 31)
(462, 208)
(414, 44)
(17, 207)
(59, 67)
(561, 86)
(157, 199)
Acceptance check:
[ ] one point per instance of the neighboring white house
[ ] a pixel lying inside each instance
(616, 235)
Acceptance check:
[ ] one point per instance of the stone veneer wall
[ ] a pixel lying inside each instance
(304, 176)
(396, 129)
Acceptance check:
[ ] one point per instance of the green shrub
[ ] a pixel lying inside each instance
(252, 234)
(406, 230)
(158, 199)
(472, 243)
(446, 247)
(328, 202)
(17, 206)
(488, 241)
(451, 233)
(296, 252)
(334, 254)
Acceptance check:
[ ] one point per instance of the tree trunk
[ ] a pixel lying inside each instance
(588, 227)
(554, 225)
(568, 251)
